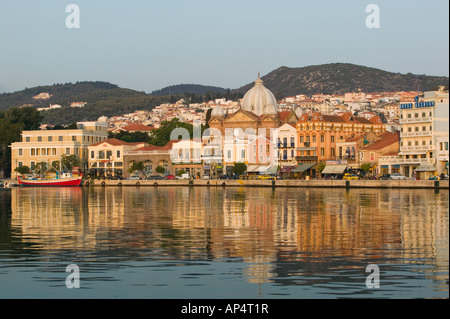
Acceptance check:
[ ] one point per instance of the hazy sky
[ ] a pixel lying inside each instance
(149, 44)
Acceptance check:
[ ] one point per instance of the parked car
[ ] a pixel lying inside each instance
(349, 177)
(444, 177)
(183, 176)
(205, 177)
(153, 177)
(134, 178)
(397, 176)
(385, 177)
(169, 177)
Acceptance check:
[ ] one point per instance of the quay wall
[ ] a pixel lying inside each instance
(277, 183)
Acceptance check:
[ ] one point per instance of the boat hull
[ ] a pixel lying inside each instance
(63, 182)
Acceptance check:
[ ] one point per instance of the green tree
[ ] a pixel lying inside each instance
(160, 170)
(366, 167)
(320, 167)
(29, 117)
(68, 162)
(239, 168)
(137, 167)
(22, 170)
(161, 136)
(181, 172)
(208, 117)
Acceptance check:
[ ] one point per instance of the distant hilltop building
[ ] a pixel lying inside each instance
(78, 104)
(42, 96)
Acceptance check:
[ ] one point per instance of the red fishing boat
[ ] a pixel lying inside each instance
(66, 179)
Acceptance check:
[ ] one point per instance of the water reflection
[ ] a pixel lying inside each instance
(283, 237)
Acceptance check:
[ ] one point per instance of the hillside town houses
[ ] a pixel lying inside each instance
(300, 136)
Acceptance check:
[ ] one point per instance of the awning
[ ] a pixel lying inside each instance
(305, 149)
(425, 168)
(304, 167)
(287, 169)
(334, 169)
(271, 170)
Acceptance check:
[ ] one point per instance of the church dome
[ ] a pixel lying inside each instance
(259, 100)
(217, 111)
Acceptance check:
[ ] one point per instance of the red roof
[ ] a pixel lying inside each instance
(385, 140)
(137, 127)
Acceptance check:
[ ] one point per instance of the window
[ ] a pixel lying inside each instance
(32, 165)
(333, 152)
(229, 154)
(19, 152)
(322, 138)
(27, 138)
(446, 146)
(417, 129)
(60, 138)
(424, 128)
(118, 154)
(39, 138)
(108, 154)
(243, 154)
(292, 141)
(33, 152)
(101, 154)
(67, 151)
(314, 138)
(416, 115)
(19, 164)
(74, 138)
(332, 138)
(322, 151)
(92, 154)
(301, 139)
(50, 138)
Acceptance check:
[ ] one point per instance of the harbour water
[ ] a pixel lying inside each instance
(236, 242)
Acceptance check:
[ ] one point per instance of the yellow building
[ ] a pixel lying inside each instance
(49, 145)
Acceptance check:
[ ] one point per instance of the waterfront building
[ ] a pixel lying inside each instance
(49, 145)
(287, 143)
(388, 143)
(186, 155)
(319, 134)
(106, 157)
(425, 129)
(151, 156)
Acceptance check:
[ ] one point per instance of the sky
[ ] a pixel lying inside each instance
(146, 45)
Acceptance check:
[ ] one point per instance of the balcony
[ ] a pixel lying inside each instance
(415, 134)
(416, 120)
(417, 148)
(306, 158)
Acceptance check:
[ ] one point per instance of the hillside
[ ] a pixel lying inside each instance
(102, 98)
(188, 88)
(338, 78)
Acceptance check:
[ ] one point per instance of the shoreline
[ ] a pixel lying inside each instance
(411, 184)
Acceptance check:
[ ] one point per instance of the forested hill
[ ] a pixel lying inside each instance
(102, 98)
(339, 78)
(189, 88)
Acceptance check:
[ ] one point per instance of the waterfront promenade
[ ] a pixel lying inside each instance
(320, 183)
(277, 183)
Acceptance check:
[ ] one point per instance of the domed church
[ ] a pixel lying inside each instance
(258, 109)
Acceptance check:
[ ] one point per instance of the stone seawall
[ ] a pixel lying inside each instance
(278, 183)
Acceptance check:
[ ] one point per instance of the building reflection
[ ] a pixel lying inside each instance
(260, 226)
